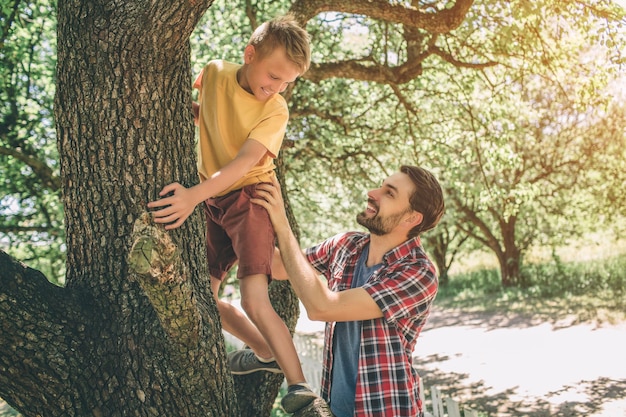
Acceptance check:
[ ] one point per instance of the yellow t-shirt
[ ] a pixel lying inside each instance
(229, 116)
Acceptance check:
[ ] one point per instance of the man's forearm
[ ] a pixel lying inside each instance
(308, 287)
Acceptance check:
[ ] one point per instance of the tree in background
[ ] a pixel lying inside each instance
(513, 113)
(530, 138)
(31, 215)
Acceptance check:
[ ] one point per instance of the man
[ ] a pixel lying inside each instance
(380, 287)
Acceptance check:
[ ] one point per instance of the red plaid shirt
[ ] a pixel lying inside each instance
(404, 289)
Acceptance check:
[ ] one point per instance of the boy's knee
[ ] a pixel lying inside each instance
(249, 306)
(255, 309)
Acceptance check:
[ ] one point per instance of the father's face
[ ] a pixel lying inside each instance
(387, 205)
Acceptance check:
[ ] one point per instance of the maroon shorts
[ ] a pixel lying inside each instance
(238, 230)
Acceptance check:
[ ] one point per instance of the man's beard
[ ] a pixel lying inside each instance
(378, 225)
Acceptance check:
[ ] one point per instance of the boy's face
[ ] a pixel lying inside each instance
(265, 76)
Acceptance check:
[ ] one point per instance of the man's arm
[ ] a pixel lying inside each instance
(321, 303)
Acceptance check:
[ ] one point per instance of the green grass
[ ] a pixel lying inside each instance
(593, 290)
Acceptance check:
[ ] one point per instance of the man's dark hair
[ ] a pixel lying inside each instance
(427, 198)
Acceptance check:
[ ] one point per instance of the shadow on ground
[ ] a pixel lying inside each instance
(479, 397)
(587, 397)
(520, 314)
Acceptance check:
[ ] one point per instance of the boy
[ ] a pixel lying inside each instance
(242, 120)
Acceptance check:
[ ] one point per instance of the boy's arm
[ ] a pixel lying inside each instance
(320, 302)
(195, 109)
(195, 106)
(177, 207)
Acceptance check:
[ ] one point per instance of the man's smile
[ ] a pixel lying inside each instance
(372, 207)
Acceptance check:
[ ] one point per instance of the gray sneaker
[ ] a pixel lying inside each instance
(298, 396)
(244, 362)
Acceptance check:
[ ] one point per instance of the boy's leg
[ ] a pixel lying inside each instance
(256, 303)
(237, 324)
(221, 257)
(249, 227)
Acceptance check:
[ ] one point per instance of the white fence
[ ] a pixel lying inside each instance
(310, 349)
(452, 406)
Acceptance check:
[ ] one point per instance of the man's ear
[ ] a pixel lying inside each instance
(414, 219)
(248, 54)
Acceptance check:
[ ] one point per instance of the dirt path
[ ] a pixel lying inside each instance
(513, 365)
(519, 366)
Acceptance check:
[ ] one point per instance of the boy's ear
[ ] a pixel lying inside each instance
(248, 54)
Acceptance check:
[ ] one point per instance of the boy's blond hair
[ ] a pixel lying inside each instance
(286, 32)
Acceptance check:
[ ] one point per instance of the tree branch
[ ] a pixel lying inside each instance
(51, 230)
(35, 313)
(7, 20)
(43, 171)
(440, 21)
(413, 21)
(469, 215)
(365, 70)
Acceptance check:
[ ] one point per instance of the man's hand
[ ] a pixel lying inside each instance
(176, 207)
(270, 197)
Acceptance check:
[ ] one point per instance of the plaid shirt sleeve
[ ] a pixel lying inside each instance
(335, 258)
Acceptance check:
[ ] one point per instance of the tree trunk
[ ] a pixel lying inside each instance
(135, 331)
(437, 245)
(510, 257)
(510, 271)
